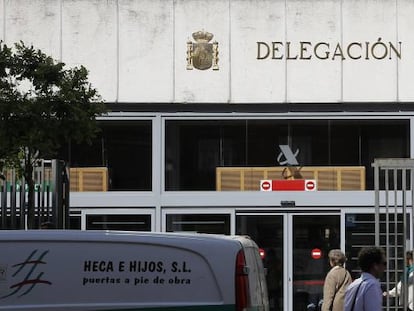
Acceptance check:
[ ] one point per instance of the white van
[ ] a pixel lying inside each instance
(114, 270)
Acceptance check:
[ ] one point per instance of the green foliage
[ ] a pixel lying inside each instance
(42, 106)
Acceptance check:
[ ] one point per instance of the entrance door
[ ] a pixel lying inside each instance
(269, 234)
(295, 255)
(312, 238)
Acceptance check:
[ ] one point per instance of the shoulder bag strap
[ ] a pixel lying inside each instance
(355, 296)
(343, 281)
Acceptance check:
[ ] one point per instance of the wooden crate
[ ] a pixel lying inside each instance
(88, 179)
(336, 178)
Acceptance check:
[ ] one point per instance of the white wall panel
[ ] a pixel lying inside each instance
(136, 50)
(406, 64)
(90, 39)
(313, 80)
(254, 80)
(35, 22)
(201, 86)
(146, 53)
(369, 79)
(2, 14)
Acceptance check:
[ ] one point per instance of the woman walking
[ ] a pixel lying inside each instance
(336, 282)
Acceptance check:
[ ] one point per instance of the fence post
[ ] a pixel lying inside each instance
(60, 194)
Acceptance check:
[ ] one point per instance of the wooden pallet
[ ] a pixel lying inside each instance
(336, 178)
(88, 179)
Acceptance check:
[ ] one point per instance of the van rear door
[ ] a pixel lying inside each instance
(257, 290)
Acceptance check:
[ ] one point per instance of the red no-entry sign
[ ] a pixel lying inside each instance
(288, 185)
(310, 185)
(316, 253)
(266, 185)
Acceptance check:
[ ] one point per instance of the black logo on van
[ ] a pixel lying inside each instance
(27, 275)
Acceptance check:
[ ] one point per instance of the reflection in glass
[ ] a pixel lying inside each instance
(195, 149)
(312, 234)
(267, 232)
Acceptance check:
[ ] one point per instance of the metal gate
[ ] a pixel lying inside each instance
(51, 196)
(394, 223)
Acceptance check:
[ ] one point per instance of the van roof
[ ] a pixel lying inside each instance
(125, 236)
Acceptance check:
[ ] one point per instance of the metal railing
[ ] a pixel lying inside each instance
(394, 195)
(51, 196)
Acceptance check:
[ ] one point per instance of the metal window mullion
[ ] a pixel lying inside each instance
(395, 188)
(412, 221)
(404, 213)
(376, 186)
(387, 235)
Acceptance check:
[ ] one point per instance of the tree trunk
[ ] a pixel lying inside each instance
(28, 175)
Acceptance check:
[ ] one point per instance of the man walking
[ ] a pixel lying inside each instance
(365, 294)
(398, 290)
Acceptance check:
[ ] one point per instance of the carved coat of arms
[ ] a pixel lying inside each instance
(202, 54)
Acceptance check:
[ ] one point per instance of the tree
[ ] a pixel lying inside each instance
(42, 106)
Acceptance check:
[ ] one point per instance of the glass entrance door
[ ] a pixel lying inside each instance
(312, 238)
(268, 232)
(295, 255)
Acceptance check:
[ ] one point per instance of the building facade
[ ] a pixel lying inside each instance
(212, 101)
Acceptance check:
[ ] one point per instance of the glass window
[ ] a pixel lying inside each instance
(235, 155)
(383, 140)
(313, 237)
(200, 223)
(194, 149)
(311, 138)
(124, 148)
(360, 232)
(268, 232)
(131, 222)
(345, 143)
(263, 139)
(75, 222)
